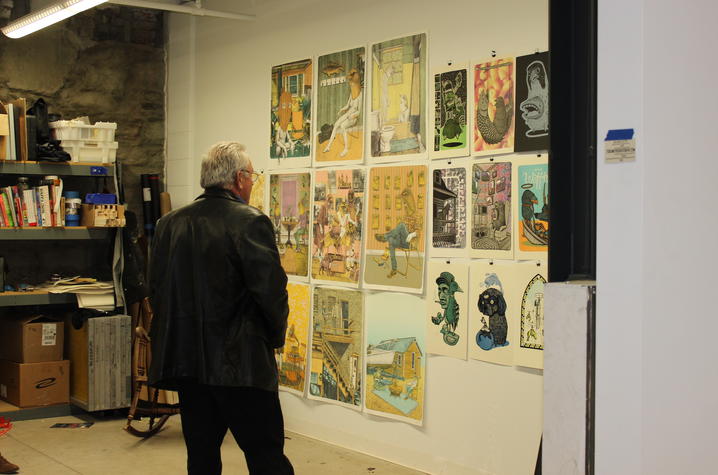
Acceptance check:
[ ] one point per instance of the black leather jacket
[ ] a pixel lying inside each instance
(218, 294)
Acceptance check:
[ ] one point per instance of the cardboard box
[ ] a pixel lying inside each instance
(35, 384)
(31, 339)
(102, 215)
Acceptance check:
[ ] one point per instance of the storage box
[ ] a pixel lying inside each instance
(31, 339)
(35, 384)
(103, 215)
(90, 150)
(77, 130)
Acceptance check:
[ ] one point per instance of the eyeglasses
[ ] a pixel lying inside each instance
(252, 175)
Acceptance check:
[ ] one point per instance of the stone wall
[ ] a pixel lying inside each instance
(107, 63)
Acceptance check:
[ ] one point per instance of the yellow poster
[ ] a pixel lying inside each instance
(292, 357)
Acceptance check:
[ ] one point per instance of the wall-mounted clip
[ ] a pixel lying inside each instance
(493, 53)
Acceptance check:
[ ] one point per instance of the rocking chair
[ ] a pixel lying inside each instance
(155, 413)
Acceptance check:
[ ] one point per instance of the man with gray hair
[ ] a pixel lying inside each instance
(220, 309)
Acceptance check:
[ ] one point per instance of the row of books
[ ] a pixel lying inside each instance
(17, 131)
(39, 206)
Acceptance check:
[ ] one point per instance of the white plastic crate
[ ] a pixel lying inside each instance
(77, 130)
(90, 150)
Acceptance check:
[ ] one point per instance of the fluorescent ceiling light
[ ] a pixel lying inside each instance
(50, 15)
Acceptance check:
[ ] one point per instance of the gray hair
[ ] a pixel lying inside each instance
(221, 164)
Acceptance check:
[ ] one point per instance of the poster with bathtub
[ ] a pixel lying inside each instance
(532, 106)
(339, 109)
(397, 117)
(493, 112)
(449, 112)
(291, 115)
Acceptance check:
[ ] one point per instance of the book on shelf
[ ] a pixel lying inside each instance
(29, 205)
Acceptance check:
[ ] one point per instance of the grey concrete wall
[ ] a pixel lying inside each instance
(107, 63)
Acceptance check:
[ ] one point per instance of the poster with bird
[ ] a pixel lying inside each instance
(340, 108)
(493, 314)
(532, 220)
(450, 112)
(447, 310)
(493, 114)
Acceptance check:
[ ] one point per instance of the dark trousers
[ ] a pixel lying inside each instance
(254, 416)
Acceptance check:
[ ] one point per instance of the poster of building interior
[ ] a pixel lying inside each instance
(492, 210)
(340, 108)
(337, 346)
(337, 225)
(292, 357)
(493, 114)
(532, 221)
(448, 211)
(395, 356)
(447, 297)
(394, 245)
(256, 199)
(449, 114)
(493, 314)
(291, 115)
(289, 212)
(532, 105)
(398, 99)
(528, 299)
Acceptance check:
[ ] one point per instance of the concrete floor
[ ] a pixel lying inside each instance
(106, 449)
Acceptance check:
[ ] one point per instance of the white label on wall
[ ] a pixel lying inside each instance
(49, 334)
(3, 390)
(146, 195)
(620, 146)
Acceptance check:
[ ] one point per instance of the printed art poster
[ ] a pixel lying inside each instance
(292, 357)
(256, 199)
(340, 108)
(532, 105)
(450, 115)
(447, 308)
(394, 243)
(337, 225)
(493, 107)
(494, 315)
(337, 346)
(291, 115)
(395, 356)
(398, 98)
(448, 214)
(533, 217)
(491, 210)
(528, 299)
(289, 212)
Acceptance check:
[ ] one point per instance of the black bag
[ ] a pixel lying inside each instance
(47, 148)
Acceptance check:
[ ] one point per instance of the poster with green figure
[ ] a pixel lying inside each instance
(447, 309)
(339, 135)
(449, 114)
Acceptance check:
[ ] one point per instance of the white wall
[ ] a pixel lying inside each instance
(479, 418)
(656, 364)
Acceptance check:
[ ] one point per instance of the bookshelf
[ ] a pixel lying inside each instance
(34, 297)
(54, 233)
(14, 167)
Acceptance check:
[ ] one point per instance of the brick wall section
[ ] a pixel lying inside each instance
(107, 63)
